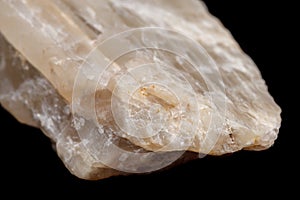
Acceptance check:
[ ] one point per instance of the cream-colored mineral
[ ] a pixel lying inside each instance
(127, 86)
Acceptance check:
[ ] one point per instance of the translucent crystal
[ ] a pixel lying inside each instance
(119, 89)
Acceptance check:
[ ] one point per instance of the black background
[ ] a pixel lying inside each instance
(29, 166)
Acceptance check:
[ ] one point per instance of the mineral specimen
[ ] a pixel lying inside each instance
(127, 86)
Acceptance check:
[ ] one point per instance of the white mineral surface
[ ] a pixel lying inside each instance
(128, 86)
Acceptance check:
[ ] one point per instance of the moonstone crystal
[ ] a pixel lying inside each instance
(128, 86)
